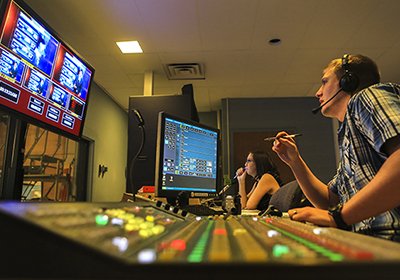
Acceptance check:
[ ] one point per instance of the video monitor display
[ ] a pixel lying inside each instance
(71, 73)
(41, 77)
(187, 157)
(36, 82)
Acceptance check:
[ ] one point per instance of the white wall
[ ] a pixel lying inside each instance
(107, 125)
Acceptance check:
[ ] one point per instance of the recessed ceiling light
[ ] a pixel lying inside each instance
(274, 41)
(130, 47)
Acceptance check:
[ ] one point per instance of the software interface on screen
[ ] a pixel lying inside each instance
(190, 157)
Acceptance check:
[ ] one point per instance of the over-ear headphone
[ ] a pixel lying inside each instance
(349, 81)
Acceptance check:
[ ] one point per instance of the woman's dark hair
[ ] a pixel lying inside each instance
(264, 165)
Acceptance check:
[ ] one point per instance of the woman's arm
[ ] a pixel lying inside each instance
(241, 177)
(267, 184)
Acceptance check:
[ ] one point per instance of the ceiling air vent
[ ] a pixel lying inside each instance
(185, 71)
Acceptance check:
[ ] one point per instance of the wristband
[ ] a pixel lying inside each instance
(336, 213)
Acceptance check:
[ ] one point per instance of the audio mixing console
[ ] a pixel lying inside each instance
(153, 239)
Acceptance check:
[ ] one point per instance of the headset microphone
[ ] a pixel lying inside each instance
(349, 82)
(315, 110)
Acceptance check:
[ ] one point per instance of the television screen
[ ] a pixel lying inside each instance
(186, 158)
(41, 77)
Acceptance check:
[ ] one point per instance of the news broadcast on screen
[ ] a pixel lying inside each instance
(41, 77)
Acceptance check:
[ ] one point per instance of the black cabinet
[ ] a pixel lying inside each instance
(141, 170)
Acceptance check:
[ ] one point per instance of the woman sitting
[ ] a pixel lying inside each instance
(267, 181)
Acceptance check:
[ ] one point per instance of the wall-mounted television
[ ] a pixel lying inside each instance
(41, 77)
(187, 158)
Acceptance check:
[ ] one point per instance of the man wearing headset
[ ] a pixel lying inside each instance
(364, 195)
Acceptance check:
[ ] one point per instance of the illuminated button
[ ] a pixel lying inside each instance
(132, 227)
(117, 221)
(158, 229)
(147, 256)
(145, 233)
(150, 218)
(278, 250)
(239, 231)
(101, 220)
(178, 244)
(146, 225)
(121, 243)
(272, 233)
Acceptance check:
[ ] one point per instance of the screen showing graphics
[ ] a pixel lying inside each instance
(41, 77)
(187, 157)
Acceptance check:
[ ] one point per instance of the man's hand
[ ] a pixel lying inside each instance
(312, 215)
(285, 148)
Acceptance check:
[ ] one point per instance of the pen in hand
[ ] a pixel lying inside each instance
(286, 136)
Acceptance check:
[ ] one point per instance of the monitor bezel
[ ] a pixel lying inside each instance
(159, 192)
(36, 121)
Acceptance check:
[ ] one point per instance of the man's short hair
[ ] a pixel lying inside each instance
(362, 66)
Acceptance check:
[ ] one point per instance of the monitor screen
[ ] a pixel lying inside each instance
(187, 158)
(41, 77)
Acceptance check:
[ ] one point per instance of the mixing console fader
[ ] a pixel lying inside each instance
(152, 239)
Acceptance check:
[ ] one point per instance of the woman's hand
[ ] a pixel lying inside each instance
(241, 174)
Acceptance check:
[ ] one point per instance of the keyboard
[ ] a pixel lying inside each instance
(202, 210)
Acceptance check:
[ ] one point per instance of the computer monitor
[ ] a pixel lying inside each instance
(187, 158)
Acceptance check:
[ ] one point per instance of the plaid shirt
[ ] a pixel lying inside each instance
(373, 117)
